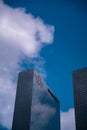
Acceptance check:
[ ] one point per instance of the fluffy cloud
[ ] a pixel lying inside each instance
(22, 36)
(7, 95)
(21, 33)
(68, 120)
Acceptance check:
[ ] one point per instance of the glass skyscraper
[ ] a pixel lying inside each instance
(80, 98)
(36, 107)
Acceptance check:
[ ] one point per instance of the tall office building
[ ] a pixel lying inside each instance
(36, 107)
(80, 98)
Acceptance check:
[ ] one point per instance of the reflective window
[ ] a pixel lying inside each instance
(45, 112)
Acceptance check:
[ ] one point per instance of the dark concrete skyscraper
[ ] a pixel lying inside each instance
(80, 98)
(36, 107)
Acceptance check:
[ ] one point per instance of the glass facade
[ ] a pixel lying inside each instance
(80, 98)
(39, 108)
(45, 111)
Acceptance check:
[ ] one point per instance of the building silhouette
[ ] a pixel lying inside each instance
(80, 98)
(36, 107)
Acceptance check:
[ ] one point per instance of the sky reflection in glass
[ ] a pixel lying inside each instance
(45, 112)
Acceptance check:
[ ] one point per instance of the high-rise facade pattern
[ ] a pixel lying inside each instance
(36, 107)
(80, 98)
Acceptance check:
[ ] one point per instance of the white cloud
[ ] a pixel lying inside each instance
(21, 35)
(7, 96)
(23, 31)
(68, 120)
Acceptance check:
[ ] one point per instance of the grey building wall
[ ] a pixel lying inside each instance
(36, 107)
(80, 98)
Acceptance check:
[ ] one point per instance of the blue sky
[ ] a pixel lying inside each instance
(68, 52)
(69, 49)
